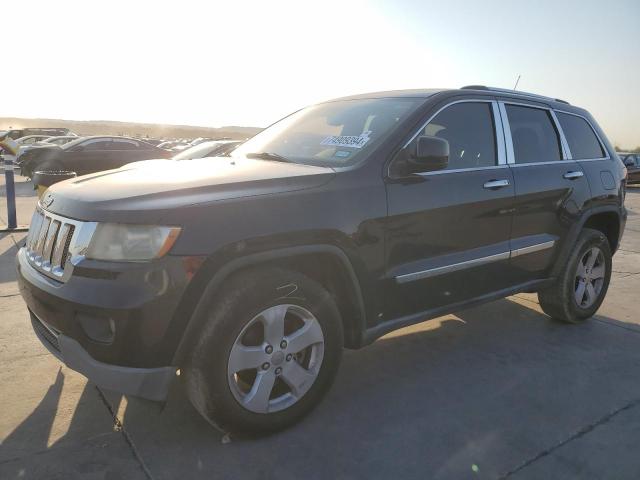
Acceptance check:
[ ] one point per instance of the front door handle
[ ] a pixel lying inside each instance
(573, 175)
(496, 184)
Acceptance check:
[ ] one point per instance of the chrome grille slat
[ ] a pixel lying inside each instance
(42, 236)
(48, 243)
(61, 244)
(56, 244)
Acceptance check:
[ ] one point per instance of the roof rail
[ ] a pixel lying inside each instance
(513, 92)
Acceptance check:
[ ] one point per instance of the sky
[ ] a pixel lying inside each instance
(214, 63)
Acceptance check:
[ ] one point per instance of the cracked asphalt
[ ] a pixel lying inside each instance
(494, 392)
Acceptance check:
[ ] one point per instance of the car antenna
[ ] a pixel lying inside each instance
(517, 81)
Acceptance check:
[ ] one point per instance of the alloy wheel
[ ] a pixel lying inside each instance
(276, 358)
(590, 276)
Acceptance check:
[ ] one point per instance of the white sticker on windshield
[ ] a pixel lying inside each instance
(352, 141)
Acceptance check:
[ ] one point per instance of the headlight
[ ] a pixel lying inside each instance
(116, 241)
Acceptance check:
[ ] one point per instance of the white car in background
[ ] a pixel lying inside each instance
(43, 142)
(211, 148)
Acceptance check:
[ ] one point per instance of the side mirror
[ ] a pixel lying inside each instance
(432, 153)
(629, 162)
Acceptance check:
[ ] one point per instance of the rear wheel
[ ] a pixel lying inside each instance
(580, 289)
(269, 351)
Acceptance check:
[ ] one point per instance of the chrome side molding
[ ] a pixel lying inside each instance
(454, 267)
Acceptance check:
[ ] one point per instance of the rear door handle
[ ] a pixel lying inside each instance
(495, 184)
(573, 175)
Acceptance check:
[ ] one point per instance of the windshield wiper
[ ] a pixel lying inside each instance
(268, 156)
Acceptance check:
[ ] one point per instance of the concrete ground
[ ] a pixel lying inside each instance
(495, 392)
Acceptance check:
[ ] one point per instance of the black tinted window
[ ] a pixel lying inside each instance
(98, 145)
(468, 127)
(581, 138)
(534, 136)
(124, 145)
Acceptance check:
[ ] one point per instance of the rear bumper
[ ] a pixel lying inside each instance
(149, 383)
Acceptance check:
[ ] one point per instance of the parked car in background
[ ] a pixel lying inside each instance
(213, 148)
(199, 140)
(61, 140)
(632, 162)
(49, 132)
(47, 142)
(89, 154)
(174, 145)
(151, 141)
(31, 139)
(334, 226)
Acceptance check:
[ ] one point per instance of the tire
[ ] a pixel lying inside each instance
(560, 301)
(234, 402)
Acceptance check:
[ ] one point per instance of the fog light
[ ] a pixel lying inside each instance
(98, 329)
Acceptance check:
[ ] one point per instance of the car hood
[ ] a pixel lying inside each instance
(151, 190)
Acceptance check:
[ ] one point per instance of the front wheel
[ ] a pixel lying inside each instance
(581, 287)
(269, 350)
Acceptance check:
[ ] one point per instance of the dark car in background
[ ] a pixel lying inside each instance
(89, 155)
(632, 162)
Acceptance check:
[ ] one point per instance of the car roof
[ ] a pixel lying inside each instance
(414, 93)
(470, 89)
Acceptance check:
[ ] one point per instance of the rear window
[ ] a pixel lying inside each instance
(581, 138)
(534, 135)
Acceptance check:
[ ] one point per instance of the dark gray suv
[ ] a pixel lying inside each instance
(340, 223)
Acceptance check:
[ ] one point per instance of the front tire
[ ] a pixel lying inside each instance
(268, 352)
(581, 287)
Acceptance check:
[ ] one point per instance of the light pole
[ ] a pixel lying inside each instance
(10, 149)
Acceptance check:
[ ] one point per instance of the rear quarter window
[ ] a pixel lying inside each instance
(582, 140)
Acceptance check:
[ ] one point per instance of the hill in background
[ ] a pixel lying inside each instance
(143, 130)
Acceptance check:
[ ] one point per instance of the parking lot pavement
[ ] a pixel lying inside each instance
(497, 391)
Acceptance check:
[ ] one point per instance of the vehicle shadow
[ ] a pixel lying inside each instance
(479, 391)
(428, 401)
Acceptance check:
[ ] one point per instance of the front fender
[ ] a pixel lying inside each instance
(213, 274)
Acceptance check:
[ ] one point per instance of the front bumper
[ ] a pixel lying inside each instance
(149, 383)
(137, 301)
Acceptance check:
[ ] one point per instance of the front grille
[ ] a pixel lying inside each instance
(55, 243)
(45, 332)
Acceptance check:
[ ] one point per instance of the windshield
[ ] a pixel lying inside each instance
(332, 134)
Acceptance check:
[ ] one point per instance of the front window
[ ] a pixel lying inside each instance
(332, 134)
(468, 127)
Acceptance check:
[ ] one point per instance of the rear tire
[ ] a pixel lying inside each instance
(582, 285)
(244, 375)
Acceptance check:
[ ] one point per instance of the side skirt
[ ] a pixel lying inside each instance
(373, 333)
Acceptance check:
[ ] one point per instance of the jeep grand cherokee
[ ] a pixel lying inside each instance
(342, 222)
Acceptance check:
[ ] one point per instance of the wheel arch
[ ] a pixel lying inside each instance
(606, 219)
(325, 263)
(608, 222)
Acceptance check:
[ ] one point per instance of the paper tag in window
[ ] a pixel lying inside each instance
(352, 141)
